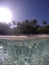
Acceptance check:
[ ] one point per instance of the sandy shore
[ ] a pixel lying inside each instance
(22, 37)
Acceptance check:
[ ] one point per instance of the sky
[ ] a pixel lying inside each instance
(27, 9)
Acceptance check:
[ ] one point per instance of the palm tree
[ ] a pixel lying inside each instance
(14, 22)
(34, 22)
(44, 23)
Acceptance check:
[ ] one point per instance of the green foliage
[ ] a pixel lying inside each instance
(24, 27)
(34, 22)
(44, 23)
(40, 30)
(27, 27)
(14, 22)
(4, 29)
(32, 27)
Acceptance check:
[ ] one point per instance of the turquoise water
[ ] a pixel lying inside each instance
(24, 52)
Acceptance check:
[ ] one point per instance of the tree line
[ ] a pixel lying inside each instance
(25, 27)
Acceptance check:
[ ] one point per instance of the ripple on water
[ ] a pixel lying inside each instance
(24, 52)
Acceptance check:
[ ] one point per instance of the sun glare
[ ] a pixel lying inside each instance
(5, 15)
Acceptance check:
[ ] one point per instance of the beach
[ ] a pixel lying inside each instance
(24, 37)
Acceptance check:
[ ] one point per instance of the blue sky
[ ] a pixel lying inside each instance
(27, 9)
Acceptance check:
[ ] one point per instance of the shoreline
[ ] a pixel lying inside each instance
(24, 37)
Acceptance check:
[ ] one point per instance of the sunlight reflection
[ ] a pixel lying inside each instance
(1, 47)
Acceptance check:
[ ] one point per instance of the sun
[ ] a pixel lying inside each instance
(5, 15)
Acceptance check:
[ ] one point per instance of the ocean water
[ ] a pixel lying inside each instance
(24, 52)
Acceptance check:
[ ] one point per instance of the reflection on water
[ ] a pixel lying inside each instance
(24, 52)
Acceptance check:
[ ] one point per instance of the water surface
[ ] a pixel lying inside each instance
(24, 52)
